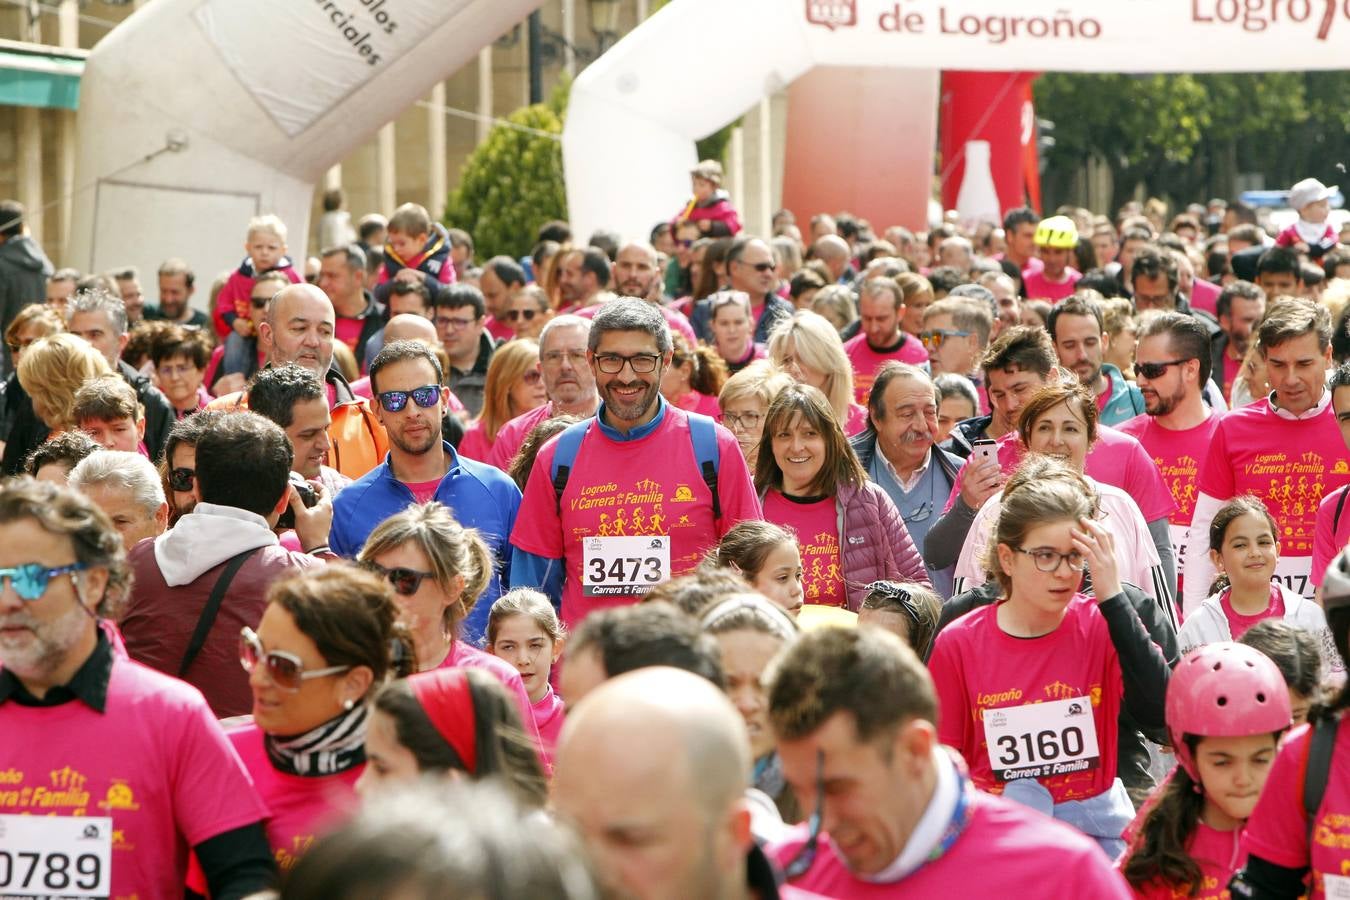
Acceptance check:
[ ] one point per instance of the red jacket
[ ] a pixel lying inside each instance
(717, 208)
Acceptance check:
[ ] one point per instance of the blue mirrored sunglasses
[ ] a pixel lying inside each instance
(425, 397)
(30, 580)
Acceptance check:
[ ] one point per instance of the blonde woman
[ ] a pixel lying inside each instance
(808, 348)
(52, 370)
(31, 323)
(514, 385)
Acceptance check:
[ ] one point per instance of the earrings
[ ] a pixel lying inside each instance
(349, 704)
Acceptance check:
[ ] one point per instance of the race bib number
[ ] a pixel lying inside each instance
(1041, 739)
(622, 566)
(55, 856)
(1293, 573)
(1336, 887)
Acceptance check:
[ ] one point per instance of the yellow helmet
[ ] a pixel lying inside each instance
(1057, 231)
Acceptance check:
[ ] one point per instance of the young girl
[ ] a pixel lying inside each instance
(908, 611)
(1244, 545)
(1226, 710)
(1294, 652)
(524, 630)
(765, 555)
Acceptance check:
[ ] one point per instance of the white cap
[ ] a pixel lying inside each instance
(1309, 190)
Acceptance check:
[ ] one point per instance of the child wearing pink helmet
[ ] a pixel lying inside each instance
(1227, 707)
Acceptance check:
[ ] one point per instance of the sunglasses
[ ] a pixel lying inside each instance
(1156, 369)
(259, 302)
(30, 580)
(532, 377)
(181, 479)
(935, 339)
(800, 864)
(516, 315)
(426, 397)
(760, 267)
(285, 670)
(404, 581)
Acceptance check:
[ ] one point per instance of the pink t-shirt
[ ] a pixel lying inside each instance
(1231, 369)
(499, 330)
(867, 361)
(856, 423)
(976, 666)
(1205, 295)
(475, 444)
(511, 435)
(1006, 844)
(1329, 536)
(1289, 464)
(1278, 829)
(703, 404)
(1218, 853)
(1037, 287)
(647, 486)
(549, 713)
(1239, 623)
(423, 491)
(300, 808)
(155, 761)
(817, 528)
(348, 331)
(1115, 458)
(463, 656)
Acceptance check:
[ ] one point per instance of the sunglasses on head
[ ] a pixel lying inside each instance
(426, 397)
(1156, 369)
(517, 314)
(30, 580)
(285, 670)
(403, 580)
(181, 479)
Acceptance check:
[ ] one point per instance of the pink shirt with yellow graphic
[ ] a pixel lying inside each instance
(816, 525)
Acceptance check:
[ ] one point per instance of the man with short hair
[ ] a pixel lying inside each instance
(1171, 370)
(410, 297)
(752, 270)
(583, 274)
(637, 478)
(1081, 342)
(1285, 449)
(127, 488)
(1279, 273)
(1019, 234)
(101, 319)
(957, 252)
(898, 453)
(881, 306)
(636, 274)
(1105, 245)
(225, 547)
(358, 315)
(458, 315)
(1132, 240)
(294, 398)
(501, 282)
(176, 284)
(1239, 308)
(90, 734)
(105, 408)
(870, 764)
(956, 333)
(420, 466)
(1155, 284)
(569, 384)
(61, 286)
(664, 812)
(128, 282)
(23, 270)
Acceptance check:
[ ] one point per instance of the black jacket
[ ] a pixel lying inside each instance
(23, 280)
(965, 434)
(373, 319)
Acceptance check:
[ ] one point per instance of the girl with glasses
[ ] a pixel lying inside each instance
(694, 377)
(514, 385)
(438, 570)
(326, 642)
(1031, 688)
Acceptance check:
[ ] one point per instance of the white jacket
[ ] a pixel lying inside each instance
(1208, 625)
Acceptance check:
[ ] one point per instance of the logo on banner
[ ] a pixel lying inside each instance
(832, 13)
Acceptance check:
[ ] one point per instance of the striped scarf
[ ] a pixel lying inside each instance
(335, 746)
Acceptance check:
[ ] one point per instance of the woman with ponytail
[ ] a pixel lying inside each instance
(694, 377)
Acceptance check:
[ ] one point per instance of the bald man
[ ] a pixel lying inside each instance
(662, 808)
(834, 252)
(636, 274)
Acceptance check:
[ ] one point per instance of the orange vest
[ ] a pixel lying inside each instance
(357, 440)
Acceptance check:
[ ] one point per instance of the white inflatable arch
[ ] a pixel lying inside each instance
(698, 64)
(259, 97)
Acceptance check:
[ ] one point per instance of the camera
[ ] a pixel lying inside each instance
(308, 495)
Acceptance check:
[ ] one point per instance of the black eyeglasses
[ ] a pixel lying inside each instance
(517, 314)
(613, 363)
(181, 479)
(1156, 369)
(425, 396)
(1048, 560)
(800, 864)
(404, 581)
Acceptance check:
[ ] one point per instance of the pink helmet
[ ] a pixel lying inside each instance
(1224, 690)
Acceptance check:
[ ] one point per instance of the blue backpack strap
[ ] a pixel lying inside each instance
(703, 434)
(564, 455)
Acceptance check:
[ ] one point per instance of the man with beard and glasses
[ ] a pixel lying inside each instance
(633, 505)
(898, 454)
(1239, 308)
(1080, 337)
(421, 467)
(1171, 368)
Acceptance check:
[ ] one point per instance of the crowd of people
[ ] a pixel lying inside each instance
(831, 562)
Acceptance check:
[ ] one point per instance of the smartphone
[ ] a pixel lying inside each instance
(984, 449)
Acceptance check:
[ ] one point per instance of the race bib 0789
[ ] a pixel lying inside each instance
(1042, 739)
(55, 856)
(623, 566)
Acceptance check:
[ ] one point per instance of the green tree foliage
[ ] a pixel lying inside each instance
(513, 182)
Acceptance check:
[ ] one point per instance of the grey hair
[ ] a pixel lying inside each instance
(565, 321)
(630, 314)
(99, 300)
(952, 384)
(128, 471)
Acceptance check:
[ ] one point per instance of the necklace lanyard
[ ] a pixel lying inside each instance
(961, 816)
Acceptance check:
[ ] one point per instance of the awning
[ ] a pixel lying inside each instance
(39, 79)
